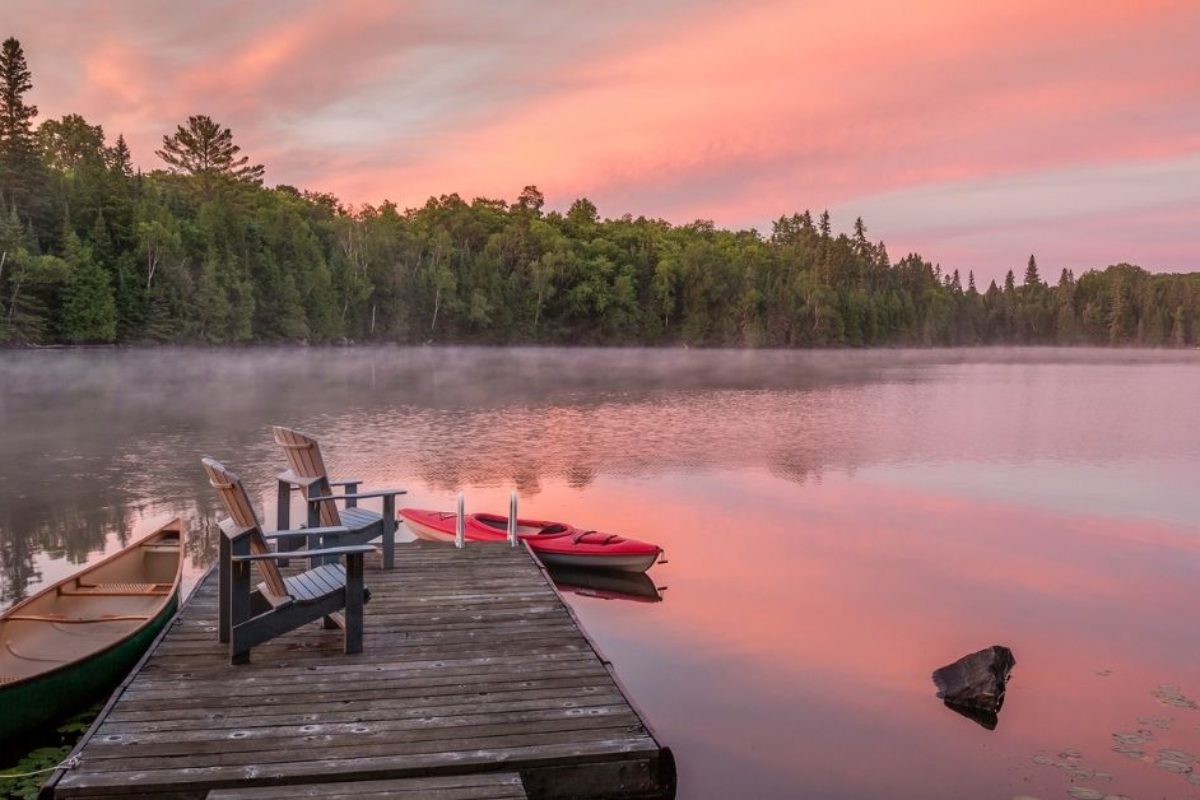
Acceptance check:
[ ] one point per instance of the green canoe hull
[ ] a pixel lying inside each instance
(31, 705)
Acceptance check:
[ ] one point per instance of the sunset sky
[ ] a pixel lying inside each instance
(974, 133)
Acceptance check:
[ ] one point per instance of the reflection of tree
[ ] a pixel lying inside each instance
(579, 475)
(527, 482)
(201, 541)
(70, 530)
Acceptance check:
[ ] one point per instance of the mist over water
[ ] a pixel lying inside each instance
(838, 524)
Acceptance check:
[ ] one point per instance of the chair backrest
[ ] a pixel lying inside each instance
(237, 505)
(304, 460)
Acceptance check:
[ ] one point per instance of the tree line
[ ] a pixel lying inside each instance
(93, 250)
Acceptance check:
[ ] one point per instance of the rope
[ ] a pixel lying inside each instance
(70, 763)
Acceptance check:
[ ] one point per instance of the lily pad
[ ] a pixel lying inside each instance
(1129, 751)
(1162, 723)
(1170, 765)
(1171, 695)
(1141, 737)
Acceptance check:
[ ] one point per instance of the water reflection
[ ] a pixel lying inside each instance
(837, 525)
(607, 585)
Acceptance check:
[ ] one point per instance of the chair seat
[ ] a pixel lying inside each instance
(358, 518)
(316, 583)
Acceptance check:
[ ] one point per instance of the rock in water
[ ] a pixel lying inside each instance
(976, 682)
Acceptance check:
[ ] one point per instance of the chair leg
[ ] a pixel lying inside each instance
(389, 531)
(283, 515)
(354, 604)
(224, 587)
(239, 608)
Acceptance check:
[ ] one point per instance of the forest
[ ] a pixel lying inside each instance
(200, 251)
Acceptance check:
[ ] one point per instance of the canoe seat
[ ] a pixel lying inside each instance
(118, 589)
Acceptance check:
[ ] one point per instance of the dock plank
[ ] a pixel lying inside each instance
(473, 668)
(492, 786)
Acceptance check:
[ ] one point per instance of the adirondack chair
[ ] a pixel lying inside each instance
(249, 616)
(306, 472)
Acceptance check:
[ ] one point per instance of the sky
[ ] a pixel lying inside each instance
(974, 133)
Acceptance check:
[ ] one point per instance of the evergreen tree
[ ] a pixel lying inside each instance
(120, 160)
(21, 171)
(205, 150)
(89, 309)
(825, 227)
(1031, 273)
(16, 116)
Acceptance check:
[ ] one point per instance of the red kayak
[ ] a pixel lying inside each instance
(554, 543)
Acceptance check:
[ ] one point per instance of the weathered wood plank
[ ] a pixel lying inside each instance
(486, 786)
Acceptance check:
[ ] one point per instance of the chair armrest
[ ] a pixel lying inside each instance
(361, 549)
(334, 530)
(351, 482)
(359, 495)
(298, 482)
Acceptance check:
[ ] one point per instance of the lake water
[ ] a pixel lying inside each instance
(837, 526)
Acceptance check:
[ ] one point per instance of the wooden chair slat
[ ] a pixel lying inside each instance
(304, 459)
(237, 505)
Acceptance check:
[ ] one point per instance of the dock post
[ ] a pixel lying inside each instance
(460, 523)
(512, 519)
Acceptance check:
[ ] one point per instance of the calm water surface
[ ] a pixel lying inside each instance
(837, 526)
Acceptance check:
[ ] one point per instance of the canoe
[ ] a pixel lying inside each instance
(555, 543)
(73, 642)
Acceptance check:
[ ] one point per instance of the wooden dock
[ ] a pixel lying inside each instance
(474, 673)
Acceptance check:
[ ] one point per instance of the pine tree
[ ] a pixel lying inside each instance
(119, 158)
(21, 171)
(205, 150)
(1031, 273)
(824, 227)
(16, 117)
